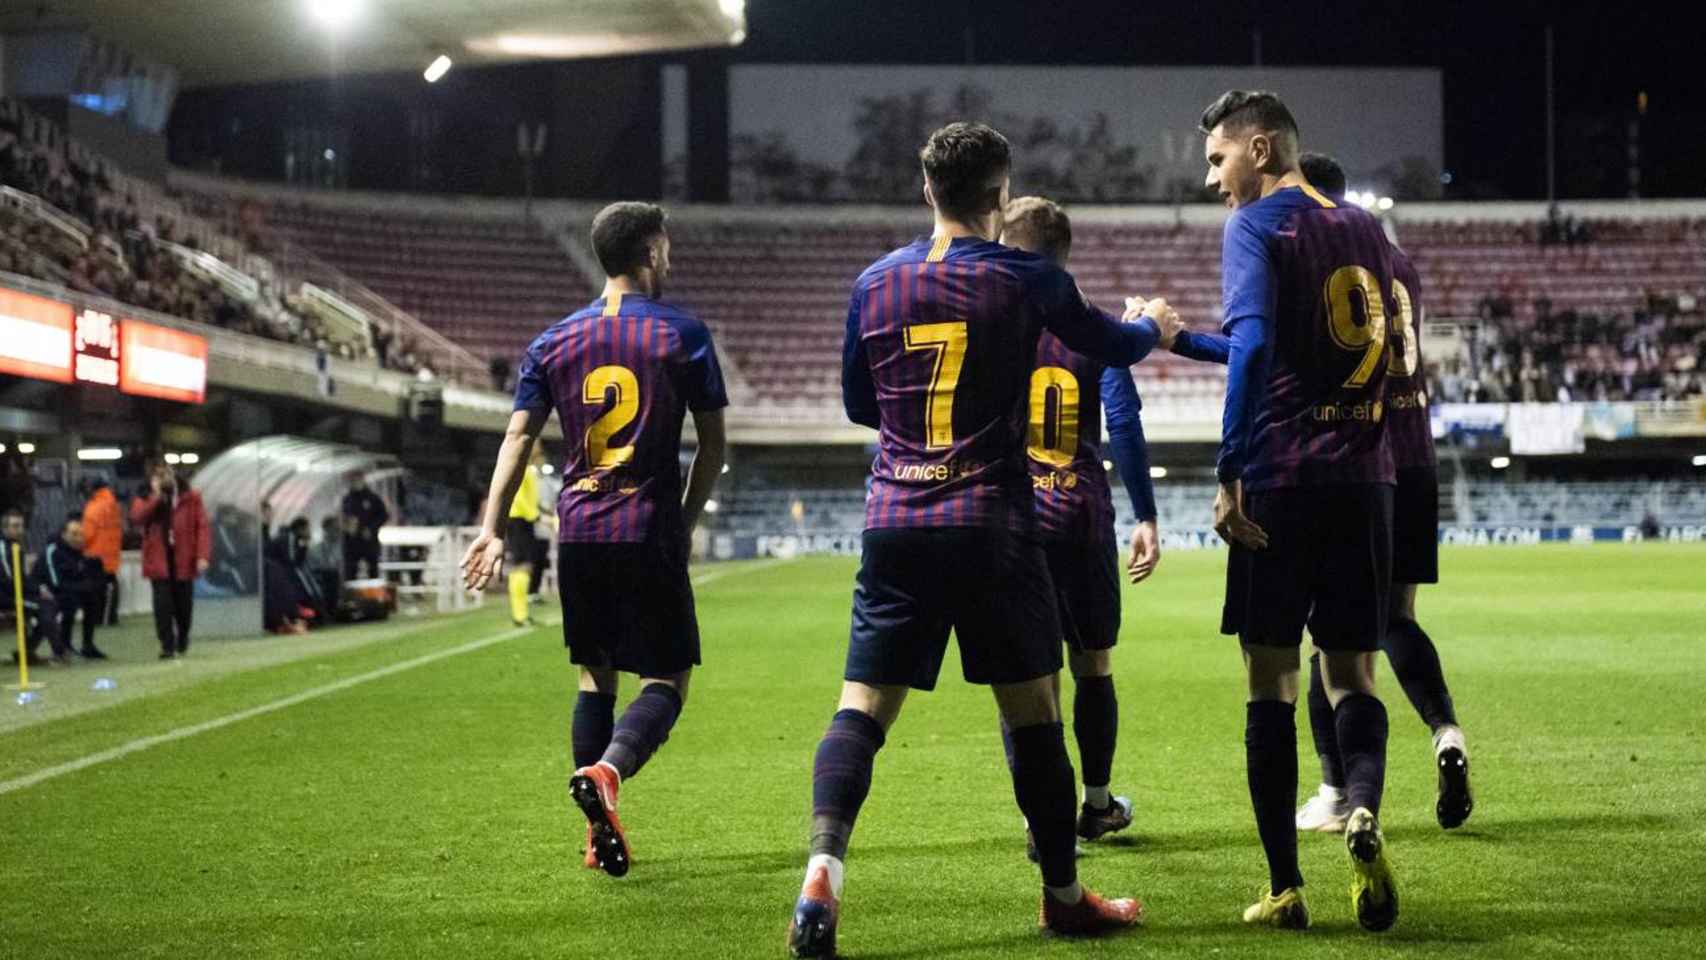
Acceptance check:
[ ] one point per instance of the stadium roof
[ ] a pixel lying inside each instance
(212, 42)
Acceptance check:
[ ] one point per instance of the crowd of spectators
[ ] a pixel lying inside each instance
(131, 259)
(1658, 353)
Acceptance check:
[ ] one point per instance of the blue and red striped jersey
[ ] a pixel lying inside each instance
(1068, 394)
(941, 339)
(1408, 427)
(621, 374)
(1306, 287)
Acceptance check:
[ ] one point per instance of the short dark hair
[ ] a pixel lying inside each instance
(1323, 173)
(10, 513)
(71, 518)
(1241, 109)
(622, 234)
(1039, 225)
(959, 161)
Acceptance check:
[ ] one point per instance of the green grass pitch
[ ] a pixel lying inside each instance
(423, 814)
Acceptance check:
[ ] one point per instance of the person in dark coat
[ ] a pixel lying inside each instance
(41, 612)
(364, 513)
(77, 583)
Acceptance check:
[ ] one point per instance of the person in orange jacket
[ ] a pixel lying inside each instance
(177, 544)
(103, 535)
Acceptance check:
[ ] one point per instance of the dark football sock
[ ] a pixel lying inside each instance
(1096, 725)
(1043, 783)
(594, 720)
(841, 779)
(644, 727)
(1321, 728)
(1416, 662)
(1361, 723)
(1270, 762)
(1007, 743)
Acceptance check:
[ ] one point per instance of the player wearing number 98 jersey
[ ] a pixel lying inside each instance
(1306, 479)
(621, 374)
(941, 340)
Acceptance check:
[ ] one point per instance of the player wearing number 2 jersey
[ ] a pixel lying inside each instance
(1306, 478)
(941, 340)
(621, 374)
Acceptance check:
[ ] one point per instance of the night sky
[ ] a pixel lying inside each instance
(1492, 56)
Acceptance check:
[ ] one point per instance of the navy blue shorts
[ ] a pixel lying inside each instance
(1086, 592)
(1415, 526)
(987, 585)
(628, 606)
(1327, 566)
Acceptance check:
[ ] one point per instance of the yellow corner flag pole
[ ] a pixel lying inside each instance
(18, 605)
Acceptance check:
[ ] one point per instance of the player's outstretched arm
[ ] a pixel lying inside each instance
(707, 465)
(485, 556)
(1206, 347)
(1130, 453)
(1086, 329)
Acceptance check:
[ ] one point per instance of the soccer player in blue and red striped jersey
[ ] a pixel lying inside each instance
(1415, 560)
(1306, 482)
(941, 339)
(622, 375)
(1075, 516)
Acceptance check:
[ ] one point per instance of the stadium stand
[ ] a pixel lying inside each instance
(67, 216)
(1614, 314)
(491, 285)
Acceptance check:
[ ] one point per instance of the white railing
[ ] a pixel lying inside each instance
(234, 282)
(439, 570)
(31, 205)
(344, 317)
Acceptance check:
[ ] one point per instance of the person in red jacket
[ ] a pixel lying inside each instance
(177, 543)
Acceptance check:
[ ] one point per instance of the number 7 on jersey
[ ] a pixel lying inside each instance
(948, 342)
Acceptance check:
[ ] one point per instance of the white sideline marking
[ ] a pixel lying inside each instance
(183, 733)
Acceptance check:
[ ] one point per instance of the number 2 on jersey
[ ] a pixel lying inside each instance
(1369, 336)
(1059, 384)
(594, 390)
(948, 342)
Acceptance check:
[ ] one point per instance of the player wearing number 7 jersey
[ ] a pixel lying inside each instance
(622, 374)
(941, 339)
(1306, 482)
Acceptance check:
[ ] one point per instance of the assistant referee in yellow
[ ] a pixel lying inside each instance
(518, 539)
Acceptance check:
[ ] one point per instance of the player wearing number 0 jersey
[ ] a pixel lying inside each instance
(941, 339)
(1415, 560)
(1075, 516)
(1306, 478)
(622, 375)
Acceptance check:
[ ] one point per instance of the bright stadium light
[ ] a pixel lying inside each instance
(1499, 463)
(1699, 458)
(189, 459)
(711, 506)
(1157, 473)
(725, 468)
(2, 448)
(436, 70)
(26, 447)
(173, 459)
(335, 15)
(1384, 203)
(100, 453)
(547, 469)
(1107, 464)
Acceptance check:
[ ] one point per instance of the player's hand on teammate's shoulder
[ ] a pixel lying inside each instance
(483, 560)
(1230, 521)
(1145, 551)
